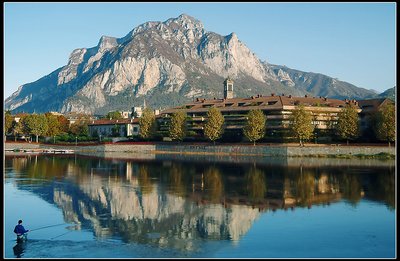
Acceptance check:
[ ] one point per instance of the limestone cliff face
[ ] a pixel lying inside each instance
(166, 63)
(227, 56)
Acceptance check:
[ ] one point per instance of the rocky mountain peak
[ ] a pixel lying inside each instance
(231, 37)
(141, 28)
(186, 22)
(106, 43)
(184, 28)
(167, 63)
(76, 56)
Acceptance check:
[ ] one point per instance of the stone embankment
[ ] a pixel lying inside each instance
(284, 150)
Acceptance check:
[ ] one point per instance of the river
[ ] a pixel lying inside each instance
(81, 206)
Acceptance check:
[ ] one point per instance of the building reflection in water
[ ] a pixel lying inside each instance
(174, 204)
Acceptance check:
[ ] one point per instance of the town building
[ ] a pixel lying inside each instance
(126, 114)
(55, 113)
(277, 109)
(126, 127)
(108, 128)
(136, 112)
(228, 88)
(74, 117)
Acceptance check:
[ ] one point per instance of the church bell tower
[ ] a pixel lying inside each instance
(228, 88)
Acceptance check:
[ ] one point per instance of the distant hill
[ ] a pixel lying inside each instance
(389, 93)
(166, 64)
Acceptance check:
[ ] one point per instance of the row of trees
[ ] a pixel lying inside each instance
(301, 126)
(47, 124)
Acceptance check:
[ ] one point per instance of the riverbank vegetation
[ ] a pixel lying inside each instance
(381, 155)
(300, 127)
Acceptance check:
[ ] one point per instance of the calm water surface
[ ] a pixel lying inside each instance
(81, 206)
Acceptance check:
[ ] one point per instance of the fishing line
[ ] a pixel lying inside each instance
(60, 235)
(46, 227)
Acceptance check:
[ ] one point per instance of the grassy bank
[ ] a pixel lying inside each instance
(382, 156)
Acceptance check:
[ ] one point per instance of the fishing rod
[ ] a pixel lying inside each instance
(46, 227)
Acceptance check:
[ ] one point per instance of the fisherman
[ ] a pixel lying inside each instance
(20, 231)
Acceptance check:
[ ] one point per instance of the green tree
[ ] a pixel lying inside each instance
(54, 127)
(22, 126)
(177, 127)
(301, 124)
(213, 128)
(74, 128)
(116, 130)
(385, 123)
(63, 123)
(147, 124)
(17, 128)
(36, 124)
(114, 115)
(8, 121)
(79, 128)
(347, 126)
(255, 126)
(84, 129)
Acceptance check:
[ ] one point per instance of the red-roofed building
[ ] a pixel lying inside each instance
(277, 109)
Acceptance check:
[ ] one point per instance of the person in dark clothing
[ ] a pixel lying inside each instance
(20, 230)
(19, 249)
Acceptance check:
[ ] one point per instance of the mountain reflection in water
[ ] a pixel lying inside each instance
(174, 204)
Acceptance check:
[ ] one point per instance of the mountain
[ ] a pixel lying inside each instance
(166, 64)
(389, 93)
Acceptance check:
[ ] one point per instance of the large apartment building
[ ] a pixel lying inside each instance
(277, 109)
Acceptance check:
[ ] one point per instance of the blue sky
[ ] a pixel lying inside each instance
(354, 42)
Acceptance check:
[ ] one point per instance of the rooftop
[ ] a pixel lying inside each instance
(113, 122)
(260, 102)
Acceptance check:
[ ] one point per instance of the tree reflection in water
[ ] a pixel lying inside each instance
(382, 187)
(255, 184)
(305, 187)
(177, 184)
(351, 187)
(152, 202)
(144, 179)
(213, 184)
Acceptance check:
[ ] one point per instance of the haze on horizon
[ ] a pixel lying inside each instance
(354, 42)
